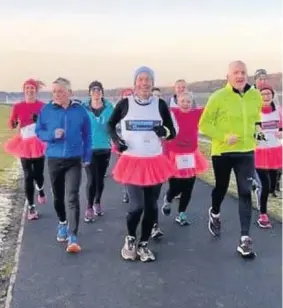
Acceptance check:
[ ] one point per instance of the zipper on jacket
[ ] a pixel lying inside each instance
(244, 113)
(65, 133)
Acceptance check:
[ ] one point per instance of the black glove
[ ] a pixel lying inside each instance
(15, 124)
(121, 145)
(34, 117)
(160, 131)
(260, 136)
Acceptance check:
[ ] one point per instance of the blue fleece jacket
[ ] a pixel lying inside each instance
(99, 132)
(76, 141)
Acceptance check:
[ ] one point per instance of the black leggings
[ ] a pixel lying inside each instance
(243, 167)
(33, 172)
(95, 173)
(273, 176)
(181, 186)
(143, 200)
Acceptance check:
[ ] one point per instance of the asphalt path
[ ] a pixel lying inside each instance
(192, 268)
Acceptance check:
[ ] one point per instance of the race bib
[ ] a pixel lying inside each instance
(185, 161)
(28, 131)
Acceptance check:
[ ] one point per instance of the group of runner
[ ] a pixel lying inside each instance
(155, 144)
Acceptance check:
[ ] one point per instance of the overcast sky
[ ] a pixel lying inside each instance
(107, 40)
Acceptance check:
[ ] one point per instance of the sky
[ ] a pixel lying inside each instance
(107, 40)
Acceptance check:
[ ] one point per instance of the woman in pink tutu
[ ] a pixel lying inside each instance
(184, 154)
(142, 166)
(26, 146)
(268, 155)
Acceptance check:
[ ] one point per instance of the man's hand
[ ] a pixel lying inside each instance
(232, 139)
(59, 133)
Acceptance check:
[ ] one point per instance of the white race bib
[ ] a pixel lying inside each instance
(28, 131)
(185, 161)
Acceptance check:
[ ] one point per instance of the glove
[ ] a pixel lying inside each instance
(160, 131)
(121, 145)
(34, 117)
(260, 136)
(15, 123)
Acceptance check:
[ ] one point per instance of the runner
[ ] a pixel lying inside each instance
(99, 111)
(125, 93)
(142, 165)
(184, 153)
(65, 126)
(261, 77)
(230, 119)
(180, 87)
(268, 155)
(156, 92)
(26, 146)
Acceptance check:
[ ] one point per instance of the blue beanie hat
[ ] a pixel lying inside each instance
(144, 69)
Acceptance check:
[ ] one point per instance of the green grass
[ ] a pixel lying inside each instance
(5, 159)
(274, 204)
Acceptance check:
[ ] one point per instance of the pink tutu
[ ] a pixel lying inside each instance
(189, 164)
(268, 158)
(25, 148)
(143, 171)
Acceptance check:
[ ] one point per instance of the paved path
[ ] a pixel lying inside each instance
(192, 270)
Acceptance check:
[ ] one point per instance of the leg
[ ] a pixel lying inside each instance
(57, 179)
(244, 173)
(263, 220)
(187, 186)
(29, 187)
(150, 203)
(125, 194)
(222, 167)
(128, 251)
(28, 180)
(102, 164)
(278, 180)
(38, 174)
(156, 232)
(257, 188)
(73, 182)
(90, 186)
(172, 192)
(273, 179)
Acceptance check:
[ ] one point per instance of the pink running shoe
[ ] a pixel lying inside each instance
(32, 213)
(89, 215)
(98, 209)
(263, 221)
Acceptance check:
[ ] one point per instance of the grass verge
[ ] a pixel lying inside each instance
(274, 204)
(5, 159)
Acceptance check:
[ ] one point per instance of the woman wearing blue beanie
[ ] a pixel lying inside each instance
(145, 120)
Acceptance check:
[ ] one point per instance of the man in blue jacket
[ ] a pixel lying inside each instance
(65, 126)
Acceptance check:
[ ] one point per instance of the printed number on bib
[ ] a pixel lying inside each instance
(28, 131)
(185, 161)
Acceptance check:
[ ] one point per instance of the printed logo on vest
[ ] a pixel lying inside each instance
(270, 125)
(141, 125)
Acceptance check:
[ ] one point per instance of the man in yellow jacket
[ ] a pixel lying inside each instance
(231, 119)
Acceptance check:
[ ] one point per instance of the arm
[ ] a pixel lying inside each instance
(167, 120)
(41, 128)
(207, 123)
(118, 114)
(13, 120)
(86, 135)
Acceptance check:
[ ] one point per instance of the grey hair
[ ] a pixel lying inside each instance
(63, 82)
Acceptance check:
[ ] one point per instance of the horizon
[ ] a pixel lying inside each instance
(45, 89)
(198, 43)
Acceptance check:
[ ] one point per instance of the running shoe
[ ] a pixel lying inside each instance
(129, 251)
